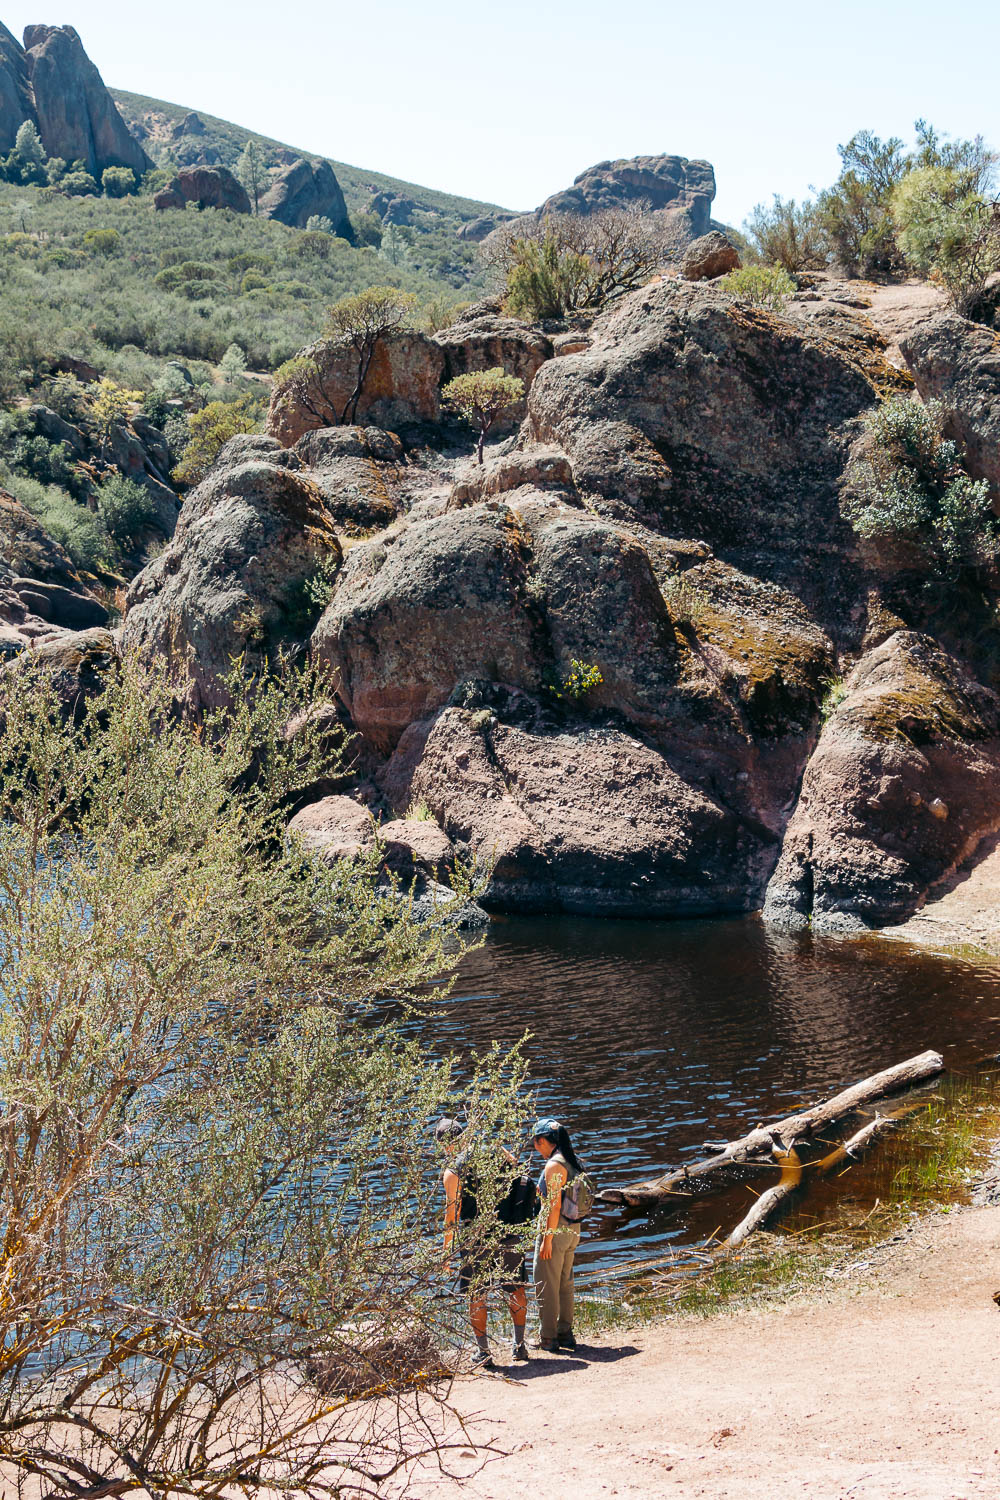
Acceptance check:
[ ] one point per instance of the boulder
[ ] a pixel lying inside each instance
(586, 819)
(208, 187)
(192, 124)
(394, 208)
(229, 583)
(61, 606)
(489, 340)
(333, 828)
(958, 363)
(678, 190)
(304, 189)
(900, 789)
(78, 663)
(76, 116)
(49, 424)
(711, 421)
(416, 848)
(478, 228)
(402, 388)
(354, 469)
(709, 256)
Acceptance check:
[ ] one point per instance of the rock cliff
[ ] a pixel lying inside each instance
(679, 191)
(53, 82)
(603, 661)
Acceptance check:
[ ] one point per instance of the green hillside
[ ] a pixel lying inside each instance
(229, 140)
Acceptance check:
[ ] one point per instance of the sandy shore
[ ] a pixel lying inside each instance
(884, 1383)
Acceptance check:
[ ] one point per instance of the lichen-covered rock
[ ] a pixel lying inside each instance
(402, 388)
(958, 363)
(915, 735)
(230, 583)
(709, 256)
(76, 662)
(487, 341)
(355, 470)
(677, 190)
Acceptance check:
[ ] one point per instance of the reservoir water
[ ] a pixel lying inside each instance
(650, 1039)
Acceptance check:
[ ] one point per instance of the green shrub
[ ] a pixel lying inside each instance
(73, 526)
(786, 234)
(102, 241)
(125, 507)
(210, 429)
(118, 182)
(855, 214)
(760, 286)
(907, 490)
(948, 231)
(78, 185)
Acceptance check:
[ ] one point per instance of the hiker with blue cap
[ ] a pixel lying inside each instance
(567, 1196)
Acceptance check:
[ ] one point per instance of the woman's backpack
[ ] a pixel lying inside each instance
(577, 1198)
(520, 1204)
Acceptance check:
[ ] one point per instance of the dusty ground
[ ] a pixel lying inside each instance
(883, 1385)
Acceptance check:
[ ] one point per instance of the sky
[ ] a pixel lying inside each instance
(509, 102)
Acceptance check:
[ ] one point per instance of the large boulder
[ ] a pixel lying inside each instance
(230, 583)
(208, 187)
(901, 788)
(485, 341)
(355, 469)
(401, 390)
(305, 189)
(709, 256)
(710, 420)
(76, 116)
(574, 818)
(678, 190)
(958, 363)
(76, 662)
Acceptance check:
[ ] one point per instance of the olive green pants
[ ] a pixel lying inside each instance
(554, 1283)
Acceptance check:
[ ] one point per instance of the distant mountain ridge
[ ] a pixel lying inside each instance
(155, 123)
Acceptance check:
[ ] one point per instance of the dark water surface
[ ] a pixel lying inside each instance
(651, 1039)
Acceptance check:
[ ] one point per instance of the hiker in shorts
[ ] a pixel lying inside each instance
(558, 1233)
(500, 1265)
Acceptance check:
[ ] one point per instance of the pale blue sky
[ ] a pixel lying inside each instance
(508, 102)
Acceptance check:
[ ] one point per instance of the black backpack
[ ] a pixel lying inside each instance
(521, 1202)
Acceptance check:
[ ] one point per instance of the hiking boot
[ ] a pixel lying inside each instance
(483, 1360)
(520, 1352)
(550, 1346)
(566, 1341)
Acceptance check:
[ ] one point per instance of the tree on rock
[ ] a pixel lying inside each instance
(482, 396)
(362, 320)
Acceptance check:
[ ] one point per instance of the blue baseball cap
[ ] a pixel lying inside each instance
(546, 1130)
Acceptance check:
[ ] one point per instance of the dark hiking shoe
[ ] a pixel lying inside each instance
(549, 1346)
(566, 1341)
(483, 1360)
(520, 1352)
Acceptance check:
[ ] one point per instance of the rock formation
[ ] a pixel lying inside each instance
(76, 116)
(16, 103)
(710, 256)
(958, 363)
(678, 190)
(304, 189)
(600, 661)
(208, 187)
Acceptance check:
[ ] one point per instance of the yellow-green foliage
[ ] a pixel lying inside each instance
(481, 396)
(581, 679)
(210, 430)
(760, 286)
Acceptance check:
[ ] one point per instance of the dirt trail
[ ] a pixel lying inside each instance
(964, 909)
(883, 1386)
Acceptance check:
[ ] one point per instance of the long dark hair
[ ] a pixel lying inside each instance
(552, 1130)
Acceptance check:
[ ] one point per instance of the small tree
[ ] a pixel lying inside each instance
(233, 364)
(118, 182)
(786, 234)
(947, 229)
(363, 320)
(252, 173)
(110, 404)
(482, 396)
(319, 224)
(210, 429)
(855, 215)
(549, 267)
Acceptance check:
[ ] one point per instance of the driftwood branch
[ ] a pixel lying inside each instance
(776, 1140)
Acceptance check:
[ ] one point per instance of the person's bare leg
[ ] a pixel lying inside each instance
(519, 1314)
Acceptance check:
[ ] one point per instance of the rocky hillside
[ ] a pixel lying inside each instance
(638, 662)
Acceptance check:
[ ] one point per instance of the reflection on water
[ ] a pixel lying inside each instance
(649, 1039)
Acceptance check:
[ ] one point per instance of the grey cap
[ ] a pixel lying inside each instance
(447, 1129)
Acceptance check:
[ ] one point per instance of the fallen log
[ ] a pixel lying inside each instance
(778, 1139)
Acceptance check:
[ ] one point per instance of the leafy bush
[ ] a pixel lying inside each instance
(118, 182)
(547, 279)
(760, 286)
(78, 185)
(74, 526)
(907, 489)
(581, 679)
(125, 507)
(949, 231)
(102, 241)
(855, 214)
(210, 429)
(786, 234)
(568, 261)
